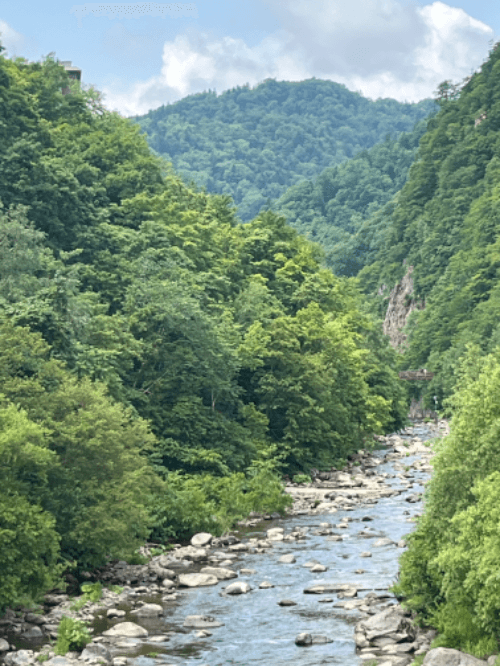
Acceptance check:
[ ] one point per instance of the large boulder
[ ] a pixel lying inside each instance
(390, 623)
(275, 534)
(96, 651)
(191, 553)
(448, 657)
(201, 539)
(128, 629)
(197, 580)
(19, 658)
(219, 572)
(148, 610)
(240, 587)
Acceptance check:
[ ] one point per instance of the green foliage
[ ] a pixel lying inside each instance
(332, 209)
(211, 504)
(162, 365)
(255, 143)
(71, 635)
(97, 482)
(449, 573)
(30, 544)
(301, 478)
(90, 592)
(444, 225)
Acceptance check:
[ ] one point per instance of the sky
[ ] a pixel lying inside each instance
(143, 55)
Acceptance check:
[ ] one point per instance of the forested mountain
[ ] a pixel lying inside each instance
(443, 229)
(255, 143)
(332, 208)
(444, 223)
(161, 365)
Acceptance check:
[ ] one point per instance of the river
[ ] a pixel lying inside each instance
(256, 629)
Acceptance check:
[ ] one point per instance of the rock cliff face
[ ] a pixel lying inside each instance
(401, 305)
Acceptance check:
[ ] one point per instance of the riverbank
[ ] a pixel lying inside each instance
(138, 625)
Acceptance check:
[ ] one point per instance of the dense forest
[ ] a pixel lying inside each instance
(154, 349)
(161, 364)
(444, 226)
(254, 143)
(332, 208)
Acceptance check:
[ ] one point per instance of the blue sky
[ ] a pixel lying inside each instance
(142, 55)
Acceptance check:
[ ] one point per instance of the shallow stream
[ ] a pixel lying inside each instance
(256, 629)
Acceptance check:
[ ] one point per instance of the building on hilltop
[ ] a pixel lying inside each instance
(73, 72)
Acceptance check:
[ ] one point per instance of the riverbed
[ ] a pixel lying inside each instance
(256, 629)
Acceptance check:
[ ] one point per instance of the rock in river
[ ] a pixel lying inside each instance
(240, 587)
(148, 610)
(390, 623)
(197, 580)
(202, 622)
(219, 572)
(303, 639)
(287, 559)
(129, 629)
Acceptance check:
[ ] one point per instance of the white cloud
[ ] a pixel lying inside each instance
(384, 48)
(12, 40)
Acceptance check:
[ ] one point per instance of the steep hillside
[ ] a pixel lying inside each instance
(255, 143)
(445, 224)
(161, 365)
(332, 208)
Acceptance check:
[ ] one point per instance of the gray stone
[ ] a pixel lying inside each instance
(202, 622)
(318, 568)
(321, 640)
(239, 547)
(275, 534)
(390, 622)
(247, 572)
(384, 542)
(219, 572)
(328, 588)
(32, 632)
(128, 629)
(148, 610)
(4, 646)
(201, 539)
(287, 559)
(115, 612)
(33, 618)
(265, 585)
(18, 658)
(191, 553)
(96, 650)
(448, 657)
(240, 587)
(197, 580)
(59, 661)
(167, 583)
(303, 639)
(287, 602)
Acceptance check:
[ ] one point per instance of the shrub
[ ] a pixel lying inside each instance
(71, 635)
(301, 478)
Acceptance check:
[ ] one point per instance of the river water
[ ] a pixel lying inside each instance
(256, 629)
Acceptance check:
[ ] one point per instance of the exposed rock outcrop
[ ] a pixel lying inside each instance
(401, 305)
